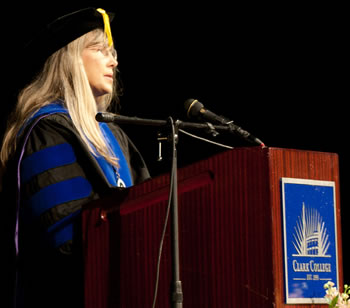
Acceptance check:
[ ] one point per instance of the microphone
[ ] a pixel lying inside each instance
(108, 117)
(195, 109)
(105, 117)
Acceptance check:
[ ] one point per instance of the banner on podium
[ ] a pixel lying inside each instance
(310, 239)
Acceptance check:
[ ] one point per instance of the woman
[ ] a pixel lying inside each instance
(56, 157)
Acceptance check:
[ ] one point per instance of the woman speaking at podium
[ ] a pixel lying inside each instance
(56, 157)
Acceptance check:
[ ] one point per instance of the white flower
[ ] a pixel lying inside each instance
(334, 298)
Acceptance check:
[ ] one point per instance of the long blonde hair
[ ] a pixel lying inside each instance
(63, 77)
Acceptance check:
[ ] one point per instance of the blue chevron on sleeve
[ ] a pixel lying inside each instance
(46, 159)
(58, 193)
(61, 231)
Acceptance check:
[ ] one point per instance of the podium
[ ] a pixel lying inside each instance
(232, 234)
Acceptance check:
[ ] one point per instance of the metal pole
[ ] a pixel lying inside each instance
(176, 288)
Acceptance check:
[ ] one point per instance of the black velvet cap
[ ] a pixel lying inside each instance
(59, 33)
(66, 29)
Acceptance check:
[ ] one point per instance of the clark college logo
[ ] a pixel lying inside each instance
(309, 239)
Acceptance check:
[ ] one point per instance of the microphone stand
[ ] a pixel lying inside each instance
(176, 287)
(176, 297)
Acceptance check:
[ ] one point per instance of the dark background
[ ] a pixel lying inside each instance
(280, 72)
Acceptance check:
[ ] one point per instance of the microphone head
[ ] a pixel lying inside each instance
(193, 107)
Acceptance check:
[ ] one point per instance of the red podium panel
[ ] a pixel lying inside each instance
(230, 232)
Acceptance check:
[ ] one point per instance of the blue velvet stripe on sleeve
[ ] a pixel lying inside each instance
(58, 193)
(61, 236)
(61, 231)
(46, 159)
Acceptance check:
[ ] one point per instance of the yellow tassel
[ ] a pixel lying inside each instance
(107, 25)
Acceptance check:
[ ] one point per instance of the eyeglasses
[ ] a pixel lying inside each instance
(105, 50)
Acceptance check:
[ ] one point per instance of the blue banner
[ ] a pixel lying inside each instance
(310, 239)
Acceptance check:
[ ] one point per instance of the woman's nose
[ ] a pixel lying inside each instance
(114, 62)
(113, 59)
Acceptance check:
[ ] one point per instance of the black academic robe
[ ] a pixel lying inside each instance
(49, 262)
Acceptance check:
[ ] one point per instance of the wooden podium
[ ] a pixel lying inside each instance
(230, 233)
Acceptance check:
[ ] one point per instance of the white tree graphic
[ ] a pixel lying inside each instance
(311, 238)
